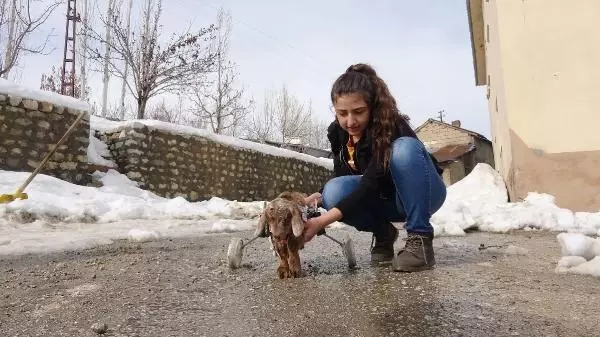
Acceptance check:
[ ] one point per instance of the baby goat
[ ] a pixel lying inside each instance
(282, 220)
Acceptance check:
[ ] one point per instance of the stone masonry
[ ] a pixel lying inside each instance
(197, 168)
(29, 129)
(167, 164)
(441, 135)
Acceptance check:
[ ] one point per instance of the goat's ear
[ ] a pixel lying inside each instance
(297, 222)
(261, 226)
(285, 195)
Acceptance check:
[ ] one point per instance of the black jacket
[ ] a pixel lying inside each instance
(375, 182)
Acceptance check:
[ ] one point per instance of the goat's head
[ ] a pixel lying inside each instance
(283, 220)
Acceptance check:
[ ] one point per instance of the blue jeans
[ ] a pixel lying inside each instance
(420, 192)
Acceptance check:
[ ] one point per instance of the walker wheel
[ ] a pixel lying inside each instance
(234, 253)
(348, 250)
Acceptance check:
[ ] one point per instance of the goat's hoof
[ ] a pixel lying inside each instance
(283, 273)
(295, 273)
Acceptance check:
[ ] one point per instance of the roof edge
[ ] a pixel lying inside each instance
(477, 38)
(431, 120)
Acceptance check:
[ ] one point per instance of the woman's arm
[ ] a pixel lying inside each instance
(315, 225)
(369, 183)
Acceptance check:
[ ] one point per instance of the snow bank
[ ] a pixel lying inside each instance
(104, 125)
(59, 215)
(96, 152)
(580, 254)
(10, 88)
(480, 201)
(119, 199)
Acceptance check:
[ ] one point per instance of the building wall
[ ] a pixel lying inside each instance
(542, 60)
(453, 172)
(484, 152)
(572, 177)
(496, 94)
(550, 51)
(29, 129)
(436, 135)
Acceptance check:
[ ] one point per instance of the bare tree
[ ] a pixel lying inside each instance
(106, 73)
(317, 134)
(284, 118)
(168, 113)
(220, 104)
(52, 82)
(261, 125)
(19, 20)
(156, 67)
(126, 65)
(85, 20)
(294, 117)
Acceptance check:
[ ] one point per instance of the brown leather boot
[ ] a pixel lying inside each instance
(383, 250)
(417, 254)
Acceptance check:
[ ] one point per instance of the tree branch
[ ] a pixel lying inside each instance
(25, 24)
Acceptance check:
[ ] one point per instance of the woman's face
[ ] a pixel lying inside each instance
(352, 113)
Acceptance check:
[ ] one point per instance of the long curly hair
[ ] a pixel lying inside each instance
(386, 123)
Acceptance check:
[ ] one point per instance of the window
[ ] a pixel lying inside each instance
(487, 33)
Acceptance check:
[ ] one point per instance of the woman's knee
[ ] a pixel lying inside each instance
(405, 150)
(336, 189)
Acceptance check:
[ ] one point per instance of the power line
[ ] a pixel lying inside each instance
(280, 41)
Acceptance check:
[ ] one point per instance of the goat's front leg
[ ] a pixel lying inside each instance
(294, 261)
(283, 271)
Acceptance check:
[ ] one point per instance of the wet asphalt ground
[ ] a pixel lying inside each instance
(183, 287)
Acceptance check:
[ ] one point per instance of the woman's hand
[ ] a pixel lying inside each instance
(313, 199)
(312, 226)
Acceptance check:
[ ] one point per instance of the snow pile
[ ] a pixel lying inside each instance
(53, 199)
(104, 125)
(10, 88)
(59, 215)
(142, 235)
(97, 151)
(580, 254)
(480, 201)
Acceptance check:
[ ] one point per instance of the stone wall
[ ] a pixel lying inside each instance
(198, 168)
(484, 153)
(30, 128)
(453, 172)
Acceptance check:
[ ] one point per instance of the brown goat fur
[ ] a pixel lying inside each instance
(282, 218)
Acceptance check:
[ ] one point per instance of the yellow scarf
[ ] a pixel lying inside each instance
(350, 146)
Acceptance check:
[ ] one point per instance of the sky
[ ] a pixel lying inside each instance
(420, 48)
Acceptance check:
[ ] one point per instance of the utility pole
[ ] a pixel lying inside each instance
(67, 83)
(441, 115)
